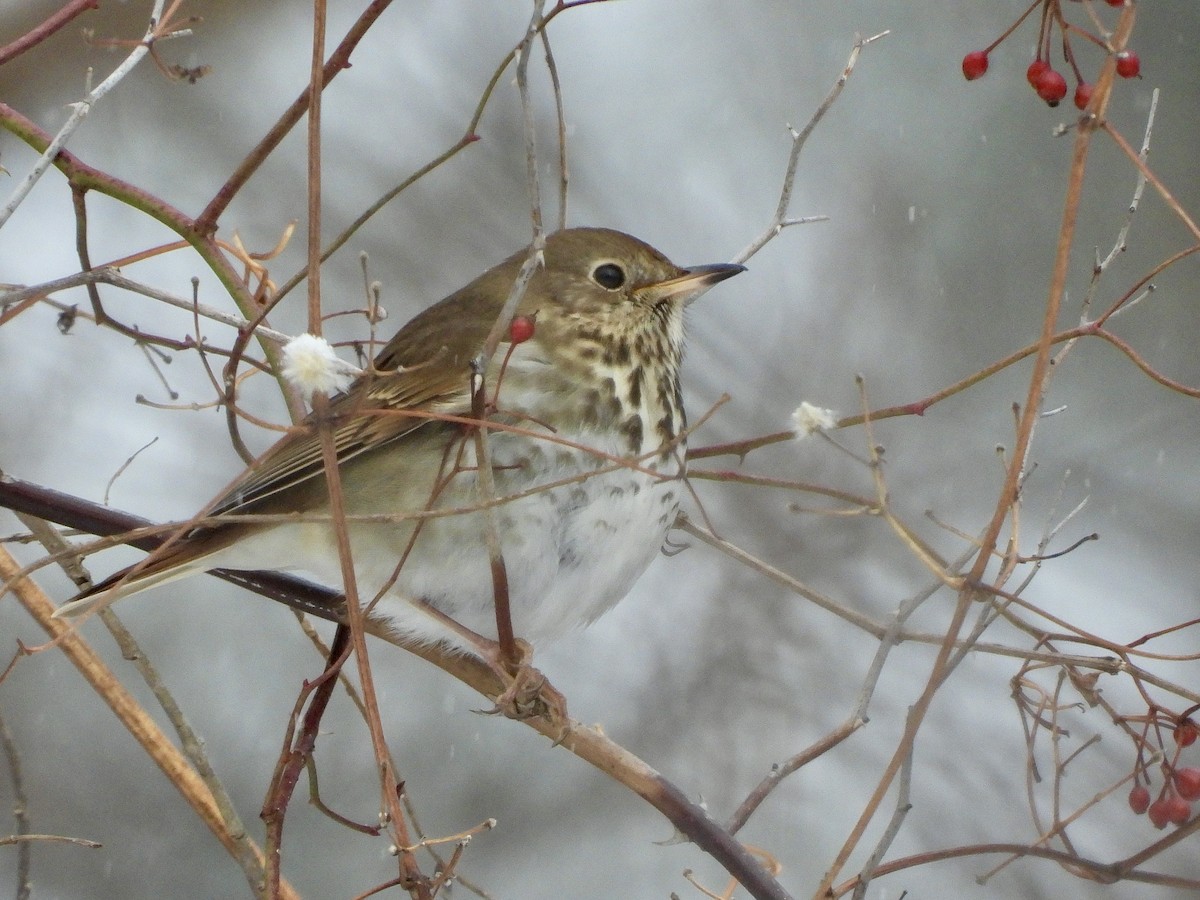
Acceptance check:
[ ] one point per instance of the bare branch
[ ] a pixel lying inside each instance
(79, 111)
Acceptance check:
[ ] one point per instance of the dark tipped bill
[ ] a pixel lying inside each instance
(692, 283)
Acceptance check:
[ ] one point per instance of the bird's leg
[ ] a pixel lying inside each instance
(527, 693)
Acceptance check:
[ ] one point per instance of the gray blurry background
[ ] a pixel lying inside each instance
(944, 198)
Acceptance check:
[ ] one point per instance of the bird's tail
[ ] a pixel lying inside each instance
(132, 580)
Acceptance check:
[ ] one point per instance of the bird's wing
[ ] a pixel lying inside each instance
(376, 410)
(422, 372)
(424, 369)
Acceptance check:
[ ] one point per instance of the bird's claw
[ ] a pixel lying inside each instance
(528, 694)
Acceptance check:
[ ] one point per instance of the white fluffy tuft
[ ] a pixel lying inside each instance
(310, 364)
(808, 419)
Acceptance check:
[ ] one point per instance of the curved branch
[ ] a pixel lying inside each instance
(589, 744)
(83, 177)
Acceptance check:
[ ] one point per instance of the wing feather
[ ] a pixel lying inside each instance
(424, 369)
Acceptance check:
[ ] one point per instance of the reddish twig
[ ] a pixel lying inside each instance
(43, 30)
(206, 222)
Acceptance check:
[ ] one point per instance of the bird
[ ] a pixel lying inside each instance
(586, 437)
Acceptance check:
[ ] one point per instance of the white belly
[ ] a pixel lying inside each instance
(570, 553)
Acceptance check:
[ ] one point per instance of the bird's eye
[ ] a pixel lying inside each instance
(609, 276)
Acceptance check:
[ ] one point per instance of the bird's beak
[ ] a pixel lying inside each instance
(691, 284)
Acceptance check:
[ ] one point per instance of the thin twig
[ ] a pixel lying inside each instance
(389, 782)
(899, 814)
(79, 111)
(470, 136)
(128, 711)
(1120, 243)
(24, 840)
(23, 835)
(1106, 873)
(484, 478)
(206, 222)
(244, 850)
(1162, 189)
(560, 112)
(313, 182)
(780, 220)
(781, 771)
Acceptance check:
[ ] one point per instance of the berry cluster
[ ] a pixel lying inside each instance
(1180, 789)
(1046, 81)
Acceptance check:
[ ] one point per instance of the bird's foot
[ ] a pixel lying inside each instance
(527, 693)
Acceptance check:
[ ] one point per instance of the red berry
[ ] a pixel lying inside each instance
(521, 329)
(1051, 87)
(1035, 70)
(1187, 782)
(974, 64)
(1116, 2)
(1128, 64)
(1139, 799)
(1185, 733)
(1178, 810)
(1083, 94)
(1159, 814)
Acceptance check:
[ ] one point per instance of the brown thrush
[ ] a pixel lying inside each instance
(586, 448)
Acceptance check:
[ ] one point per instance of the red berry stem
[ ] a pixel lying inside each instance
(1086, 35)
(1175, 758)
(1014, 26)
(1044, 33)
(1069, 54)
